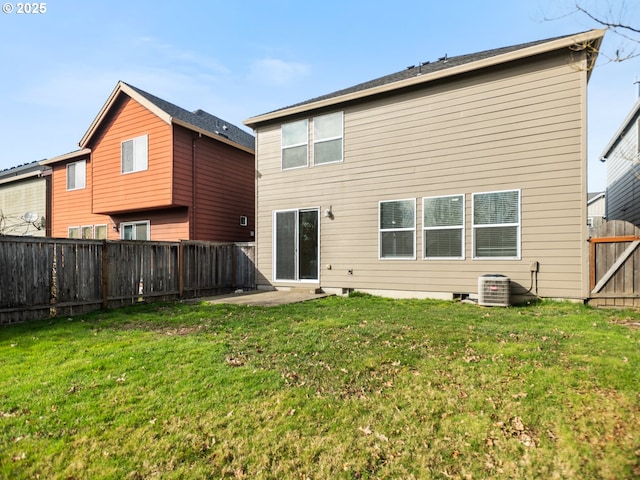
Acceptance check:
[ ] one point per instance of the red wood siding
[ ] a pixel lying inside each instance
(167, 225)
(151, 188)
(73, 208)
(224, 186)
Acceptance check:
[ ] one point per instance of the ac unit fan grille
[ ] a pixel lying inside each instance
(493, 291)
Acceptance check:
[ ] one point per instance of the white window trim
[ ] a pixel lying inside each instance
(381, 230)
(137, 222)
(518, 225)
(297, 258)
(82, 230)
(328, 139)
(133, 140)
(450, 227)
(75, 227)
(283, 147)
(106, 230)
(84, 177)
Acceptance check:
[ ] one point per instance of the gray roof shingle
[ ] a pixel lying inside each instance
(201, 119)
(424, 68)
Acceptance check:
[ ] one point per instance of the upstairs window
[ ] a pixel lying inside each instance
(295, 144)
(496, 225)
(76, 175)
(443, 225)
(135, 154)
(398, 229)
(327, 138)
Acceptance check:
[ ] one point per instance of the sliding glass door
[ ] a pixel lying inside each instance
(296, 241)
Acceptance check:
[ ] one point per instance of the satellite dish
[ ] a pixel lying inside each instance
(31, 217)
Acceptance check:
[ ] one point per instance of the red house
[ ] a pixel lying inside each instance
(150, 170)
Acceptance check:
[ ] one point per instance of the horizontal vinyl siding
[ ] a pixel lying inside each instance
(518, 128)
(225, 190)
(18, 198)
(74, 208)
(164, 225)
(151, 188)
(623, 179)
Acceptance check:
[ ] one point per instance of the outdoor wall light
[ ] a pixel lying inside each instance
(328, 213)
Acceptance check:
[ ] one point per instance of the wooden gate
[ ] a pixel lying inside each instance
(614, 265)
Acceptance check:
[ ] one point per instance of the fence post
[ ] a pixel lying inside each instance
(181, 269)
(105, 275)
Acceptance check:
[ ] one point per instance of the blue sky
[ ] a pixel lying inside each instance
(241, 58)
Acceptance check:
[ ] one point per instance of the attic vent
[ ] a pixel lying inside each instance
(493, 290)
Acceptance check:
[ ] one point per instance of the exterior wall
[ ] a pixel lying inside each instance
(520, 126)
(73, 208)
(223, 187)
(114, 191)
(623, 178)
(18, 198)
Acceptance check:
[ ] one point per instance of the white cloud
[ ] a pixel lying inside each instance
(279, 72)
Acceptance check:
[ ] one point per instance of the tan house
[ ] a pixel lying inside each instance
(24, 200)
(419, 183)
(150, 170)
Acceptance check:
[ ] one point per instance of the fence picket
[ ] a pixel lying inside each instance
(40, 278)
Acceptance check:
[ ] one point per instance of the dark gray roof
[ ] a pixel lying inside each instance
(201, 120)
(22, 169)
(425, 68)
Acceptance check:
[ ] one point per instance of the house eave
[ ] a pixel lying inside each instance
(621, 131)
(66, 156)
(591, 39)
(121, 87)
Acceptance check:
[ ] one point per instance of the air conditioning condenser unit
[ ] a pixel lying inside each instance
(494, 290)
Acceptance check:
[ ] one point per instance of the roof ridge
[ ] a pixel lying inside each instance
(424, 68)
(208, 122)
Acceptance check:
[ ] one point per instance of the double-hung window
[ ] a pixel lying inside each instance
(397, 229)
(295, 149)
(327, 138)
(443, 227)
(76, 175)
(135, 154)
(496, 224)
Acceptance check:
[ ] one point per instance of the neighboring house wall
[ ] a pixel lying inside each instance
(19, 197)
(139, 190)
(596, 210)
(223, 186)
(520, 126)
(623, 171)
(189, 186)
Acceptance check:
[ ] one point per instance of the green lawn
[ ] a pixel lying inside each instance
(347, 388)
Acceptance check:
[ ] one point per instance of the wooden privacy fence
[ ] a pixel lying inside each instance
(614, 265)
(44, 277)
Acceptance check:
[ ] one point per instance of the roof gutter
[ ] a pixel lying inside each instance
(66, 156)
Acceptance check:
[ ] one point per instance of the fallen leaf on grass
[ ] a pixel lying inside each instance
(234, 362)
(366, 430)
(382, 437)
